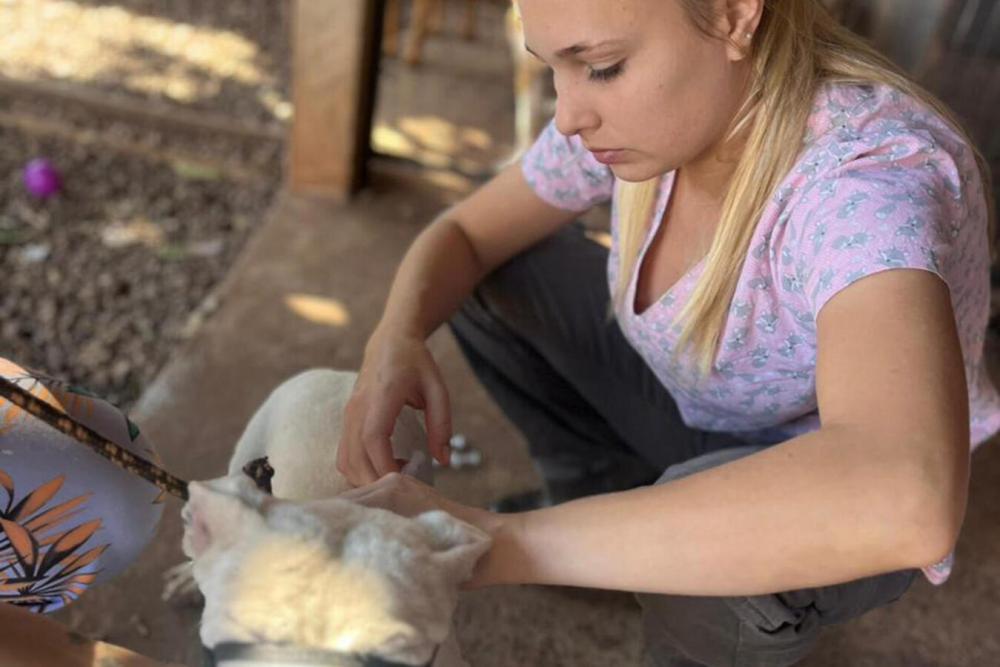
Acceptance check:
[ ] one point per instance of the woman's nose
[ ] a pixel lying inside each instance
(573, 114)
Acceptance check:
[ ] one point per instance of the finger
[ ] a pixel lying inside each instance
(348, 440)
(362, 472)
(376, 435)
(350, 452)
(362, 495)
(437, 417)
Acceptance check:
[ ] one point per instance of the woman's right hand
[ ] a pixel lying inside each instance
(398, 370)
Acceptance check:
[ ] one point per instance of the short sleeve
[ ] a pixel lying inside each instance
(564, 173)
(901, 209)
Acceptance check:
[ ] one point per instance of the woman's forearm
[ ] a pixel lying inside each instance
(438, 272)
(823, 508)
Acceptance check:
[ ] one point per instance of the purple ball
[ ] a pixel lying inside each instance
(41, 178)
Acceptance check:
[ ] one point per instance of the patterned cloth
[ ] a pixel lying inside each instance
(882, 183)
(69, 517)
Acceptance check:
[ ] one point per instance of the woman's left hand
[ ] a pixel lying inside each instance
(407, 496)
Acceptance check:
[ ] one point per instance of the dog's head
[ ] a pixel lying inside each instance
(327, 574)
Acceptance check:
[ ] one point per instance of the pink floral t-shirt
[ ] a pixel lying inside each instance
(882, 183)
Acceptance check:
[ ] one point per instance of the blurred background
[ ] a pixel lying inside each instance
(154, 249)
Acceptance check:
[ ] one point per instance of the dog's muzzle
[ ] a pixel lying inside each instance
(284, 655)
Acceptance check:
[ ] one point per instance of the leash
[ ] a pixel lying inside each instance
(86, 436)
(258, 470)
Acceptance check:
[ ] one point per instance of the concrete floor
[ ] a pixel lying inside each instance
(197, 407)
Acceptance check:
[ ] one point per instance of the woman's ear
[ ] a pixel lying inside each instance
(738, 26)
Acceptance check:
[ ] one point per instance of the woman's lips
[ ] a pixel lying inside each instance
(608, 156)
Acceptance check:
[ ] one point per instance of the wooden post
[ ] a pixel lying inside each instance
(390, 30)
(471, 19)
(421, 19)
(335, 49)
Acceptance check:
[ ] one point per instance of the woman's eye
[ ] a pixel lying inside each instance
(607, 73)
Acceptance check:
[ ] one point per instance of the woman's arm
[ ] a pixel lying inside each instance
(880, 487)
(438, 272)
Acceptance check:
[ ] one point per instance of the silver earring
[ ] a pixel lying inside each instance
(749, 35)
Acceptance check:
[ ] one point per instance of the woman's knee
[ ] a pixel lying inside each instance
(727, 632)
(559, 283)
(769, 630)
(762, 630)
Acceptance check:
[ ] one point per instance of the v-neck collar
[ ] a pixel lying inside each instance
(666, 191)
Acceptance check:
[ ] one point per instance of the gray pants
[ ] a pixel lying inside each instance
(537, 333)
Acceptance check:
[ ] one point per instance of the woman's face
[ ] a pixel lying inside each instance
(638, 79)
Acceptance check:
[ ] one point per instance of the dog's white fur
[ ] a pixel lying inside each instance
(298, 428)
(309, 569)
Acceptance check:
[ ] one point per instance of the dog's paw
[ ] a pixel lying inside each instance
(179, 587)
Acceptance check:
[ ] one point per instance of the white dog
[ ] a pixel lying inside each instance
(305, 577)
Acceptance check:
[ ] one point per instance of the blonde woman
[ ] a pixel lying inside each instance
(773, 431)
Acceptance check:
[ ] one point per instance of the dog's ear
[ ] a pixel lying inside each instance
(217, 512)
(457, 545)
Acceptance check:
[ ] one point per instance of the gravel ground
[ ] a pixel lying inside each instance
(103, 281)
(229, 58)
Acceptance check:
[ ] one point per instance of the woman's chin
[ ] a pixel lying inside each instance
(634, 172)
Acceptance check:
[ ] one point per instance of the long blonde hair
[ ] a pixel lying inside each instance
(797, 47)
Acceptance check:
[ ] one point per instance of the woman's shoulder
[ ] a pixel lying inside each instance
(883, 181)
(861, 119)
(868, 140)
